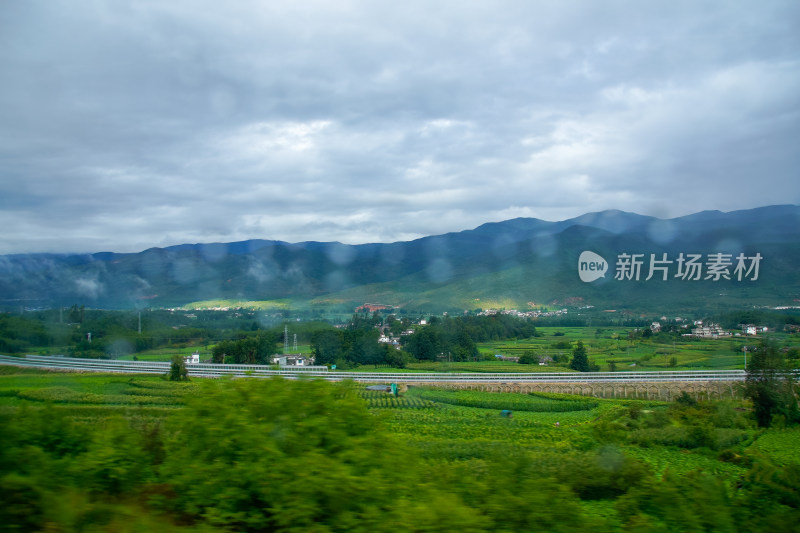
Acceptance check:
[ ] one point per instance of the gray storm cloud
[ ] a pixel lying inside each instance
(127, 126)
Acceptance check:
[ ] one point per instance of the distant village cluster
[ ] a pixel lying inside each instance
(696, 329)
(711, 331)
(523, 314)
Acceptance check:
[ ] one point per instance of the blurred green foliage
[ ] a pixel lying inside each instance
(306, 455)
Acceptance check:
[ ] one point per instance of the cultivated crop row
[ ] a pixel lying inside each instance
(496, 400)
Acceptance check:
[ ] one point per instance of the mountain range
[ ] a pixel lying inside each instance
(740, 258)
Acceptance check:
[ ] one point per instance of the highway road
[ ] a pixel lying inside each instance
(261, 371)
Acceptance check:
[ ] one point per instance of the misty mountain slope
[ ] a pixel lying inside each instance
(544, 273)
(515, 261)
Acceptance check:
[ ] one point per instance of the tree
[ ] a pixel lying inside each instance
(394, 357)
(177, 369)
(528, 358)
(770, 386)
(327, 346)
(76, 314)
(580, 361)
(425, 344)
(219, 352)
(365, 349)
(252, 350)
(465, 348)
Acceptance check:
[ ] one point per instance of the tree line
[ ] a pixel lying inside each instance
(455, 339)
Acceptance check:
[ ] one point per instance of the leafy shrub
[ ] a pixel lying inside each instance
(695, 502)
(685, 399)
(23, 503)
(658, 418)
(604, 474)
(177, 369)
(117, 459)
(301, 456)
(688, 437)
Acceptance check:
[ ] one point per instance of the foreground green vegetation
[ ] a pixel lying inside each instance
(118, 453)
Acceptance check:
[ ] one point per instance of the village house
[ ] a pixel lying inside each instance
(385, 339)
(751, 329)
(290, 360)
(710, 331)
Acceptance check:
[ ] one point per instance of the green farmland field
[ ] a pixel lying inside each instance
(203, 455)
(626, 351)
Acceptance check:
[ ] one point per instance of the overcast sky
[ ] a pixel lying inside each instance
(127, 125)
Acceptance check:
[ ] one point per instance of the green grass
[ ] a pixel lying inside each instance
(103, 391)
(481, 366)
(260, 305)
(165, 354)
(605, 345)
(781, 445)
(680, 461)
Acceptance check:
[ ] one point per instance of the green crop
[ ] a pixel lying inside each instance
(500, 400)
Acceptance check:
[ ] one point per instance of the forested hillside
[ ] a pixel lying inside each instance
(739, 258)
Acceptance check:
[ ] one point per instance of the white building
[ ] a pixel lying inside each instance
(290, 360)
(751, 329)
(710, 331)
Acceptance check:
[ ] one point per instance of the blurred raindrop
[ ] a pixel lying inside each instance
(152, 264)
(119, 348)
(89, 287)
(662, 231)
(502, 247)
(214, 252)
(260, 271)
(610, 458)
(223, 101)
(336, 280)
(392, 255)
(439, 270)
(728, 246)
(340, 254)
(184, 271)
(544, 245)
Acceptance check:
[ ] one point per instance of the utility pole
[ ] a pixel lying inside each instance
(140, 322)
